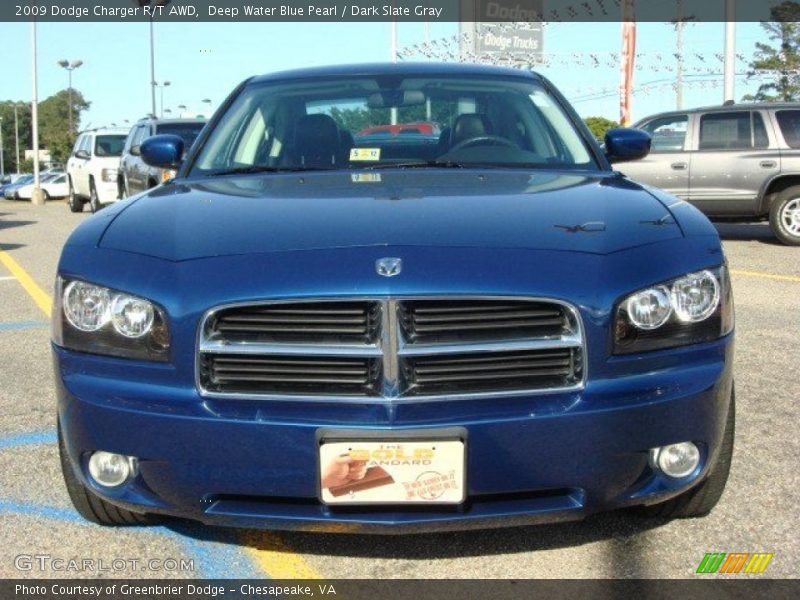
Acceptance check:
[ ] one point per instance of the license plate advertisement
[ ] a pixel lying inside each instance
(396, 472)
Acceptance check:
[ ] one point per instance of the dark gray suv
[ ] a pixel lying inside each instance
(134, 175)
(737, 162)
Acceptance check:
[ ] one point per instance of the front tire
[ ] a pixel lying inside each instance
(701, 499)
(75, 204)
(784, 216)
(90, 506)
(94, 199)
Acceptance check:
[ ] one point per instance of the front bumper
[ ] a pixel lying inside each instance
(529, 459)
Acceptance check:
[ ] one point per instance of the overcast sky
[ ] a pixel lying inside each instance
(207, 60)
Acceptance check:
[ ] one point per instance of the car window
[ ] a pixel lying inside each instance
(86, 144)
(188, 132)
(789, 122)
(142, 132)
(109, 145)
(732, 131)
(78, 144)
(369, 122)
(668, 133)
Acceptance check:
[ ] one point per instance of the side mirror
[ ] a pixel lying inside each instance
(622, 145)
(82, 154)
(163, 151)
(135, 150)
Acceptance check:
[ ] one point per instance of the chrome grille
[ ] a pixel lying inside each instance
(431, 321)
(391, 349)
(314, 322)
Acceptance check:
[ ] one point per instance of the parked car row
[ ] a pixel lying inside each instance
(105, 165)
(737, 162)
(19, 186)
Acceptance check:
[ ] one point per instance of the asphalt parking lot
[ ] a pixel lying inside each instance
(758, 512)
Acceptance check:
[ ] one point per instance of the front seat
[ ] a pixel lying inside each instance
(316, 141)
(469, 126)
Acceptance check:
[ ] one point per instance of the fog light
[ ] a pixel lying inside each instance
(676, 460)
(111, 470)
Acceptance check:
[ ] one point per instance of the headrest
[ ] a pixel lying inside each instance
(468, 126)
(316, 140)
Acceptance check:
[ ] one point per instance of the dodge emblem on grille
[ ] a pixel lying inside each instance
(389, 267)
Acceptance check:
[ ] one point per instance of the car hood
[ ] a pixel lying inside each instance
(254, 214)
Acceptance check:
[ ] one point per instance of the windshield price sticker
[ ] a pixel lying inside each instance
(365, 154)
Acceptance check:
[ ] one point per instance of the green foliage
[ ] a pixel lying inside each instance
(782, 58)
(54, 134)
(599, 126)
(26, 166)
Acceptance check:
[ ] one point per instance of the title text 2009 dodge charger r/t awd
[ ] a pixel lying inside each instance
(394, 298)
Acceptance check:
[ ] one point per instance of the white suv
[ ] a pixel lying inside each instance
(92, 168)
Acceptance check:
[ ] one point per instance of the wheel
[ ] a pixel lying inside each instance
(45, 195)
(94, 199)
(122, 189)
(90, 506)
(784, 216)
(698, 501)
(75, 204)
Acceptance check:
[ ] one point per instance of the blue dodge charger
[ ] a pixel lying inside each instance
(468, 321)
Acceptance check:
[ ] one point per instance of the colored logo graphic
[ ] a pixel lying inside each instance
(734, 562)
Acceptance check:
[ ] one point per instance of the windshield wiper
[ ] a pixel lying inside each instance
(263, 169)
(421, 164)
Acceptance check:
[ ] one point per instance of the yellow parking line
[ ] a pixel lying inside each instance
(275, 558)
(39, 296)
(268, 551)
(763, 275)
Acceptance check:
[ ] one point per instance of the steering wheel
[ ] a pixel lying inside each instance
(488, 140)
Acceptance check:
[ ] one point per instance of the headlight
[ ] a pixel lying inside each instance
(108, 175)
(99, 320)
(695, 308)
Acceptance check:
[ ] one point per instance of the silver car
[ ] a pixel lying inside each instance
(736, 162)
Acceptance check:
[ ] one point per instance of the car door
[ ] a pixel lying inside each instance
(138, 170)
(80, 179)
(73, 160)
(127, 159)
(735, 153)
(667, 165)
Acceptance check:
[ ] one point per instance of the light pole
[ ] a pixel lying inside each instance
(2, 159)
(16, 134)
(70, 67)
(207, 101)
(182, 108)
(162, 86)
(37, 197)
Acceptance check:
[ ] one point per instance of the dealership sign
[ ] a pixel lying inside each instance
(519, 37)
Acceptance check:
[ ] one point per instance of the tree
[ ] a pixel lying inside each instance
(782, 61)
(599, 126)
(54, 133)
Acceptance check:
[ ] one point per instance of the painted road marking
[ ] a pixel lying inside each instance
(274, 557)
(39, 296)
(269, 551)
(763, 275)
(215, 559)
(23, 325)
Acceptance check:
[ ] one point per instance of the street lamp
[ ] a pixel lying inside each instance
(207, 101)
(162, 86)
(2, 160)
(166, 111)
(70, 67)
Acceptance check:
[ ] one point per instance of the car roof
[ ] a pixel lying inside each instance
(168, 121)
(410, 69)
(726, 108)
(106, 131)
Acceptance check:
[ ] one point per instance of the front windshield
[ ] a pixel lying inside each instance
(109, 145)
(385, 122)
